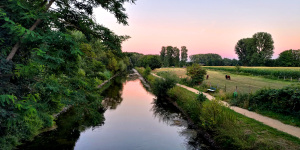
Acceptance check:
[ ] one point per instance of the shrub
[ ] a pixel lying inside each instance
(201, 97)
(147, 71)
(161, 86)
(196, 72)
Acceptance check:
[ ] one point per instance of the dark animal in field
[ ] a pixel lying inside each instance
(207, 76)
(227, 77)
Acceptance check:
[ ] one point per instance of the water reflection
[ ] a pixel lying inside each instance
(70, 125)
(133, 120)
(169, 114)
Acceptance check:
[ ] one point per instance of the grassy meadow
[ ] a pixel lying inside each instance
(229, 129)
(244, 84)
(282, 73)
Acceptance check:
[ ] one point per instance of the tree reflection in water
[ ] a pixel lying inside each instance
(169, 114)
(77, 120)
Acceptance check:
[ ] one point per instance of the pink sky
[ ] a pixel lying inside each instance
(205, 26)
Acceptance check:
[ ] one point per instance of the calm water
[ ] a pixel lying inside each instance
(134, 120)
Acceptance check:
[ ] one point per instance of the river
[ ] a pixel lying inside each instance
(133, 120)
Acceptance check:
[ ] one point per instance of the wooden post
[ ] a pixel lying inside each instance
(284, 78)
(236, 88)
(291, 78)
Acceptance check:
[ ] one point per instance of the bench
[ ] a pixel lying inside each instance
(211, 89)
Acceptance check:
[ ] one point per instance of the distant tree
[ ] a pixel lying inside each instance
(153, 61)
(227, 62)
(163, 55)
(184, 55)
(176, 56)
(196, 72)
(207, 59)
(289, 58)
(264, 45)
(170, 56)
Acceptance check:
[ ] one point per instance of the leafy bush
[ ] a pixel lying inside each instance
(196, 72)
(285, 101)
(147, 71)
(201, 97)
(162, 85)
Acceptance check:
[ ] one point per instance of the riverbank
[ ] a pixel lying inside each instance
(230, 129)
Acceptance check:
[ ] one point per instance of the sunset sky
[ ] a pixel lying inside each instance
(205, 26)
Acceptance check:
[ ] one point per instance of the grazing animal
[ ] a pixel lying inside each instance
(227, 77)
(207, 76)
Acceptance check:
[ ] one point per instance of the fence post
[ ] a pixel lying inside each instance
(284, 78)
(236, 88)
(291, 78)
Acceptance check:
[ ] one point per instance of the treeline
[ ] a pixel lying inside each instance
(172, 56)
(288, 58)
(52, 58)
(211, 59)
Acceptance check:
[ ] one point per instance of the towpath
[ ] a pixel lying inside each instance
(292, 130)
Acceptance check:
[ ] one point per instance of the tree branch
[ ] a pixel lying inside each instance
(17, 45)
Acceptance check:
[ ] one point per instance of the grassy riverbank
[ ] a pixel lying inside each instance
(230, 129)
(244, 85)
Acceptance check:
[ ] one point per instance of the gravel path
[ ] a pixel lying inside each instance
(292, 130)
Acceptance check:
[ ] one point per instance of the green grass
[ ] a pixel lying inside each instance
(282, 73)
(230, 129)
(244, 84)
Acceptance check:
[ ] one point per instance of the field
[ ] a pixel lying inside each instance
(283, 73)
(244, 84)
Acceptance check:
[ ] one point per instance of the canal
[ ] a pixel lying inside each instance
(132, 119)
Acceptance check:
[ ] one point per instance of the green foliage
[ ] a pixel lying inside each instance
(162, 85)
(214, 114)
(207, 59)
(268, 72)
(237, 68)
(183, 55)
(196, 72)
(201, 97)
(285, 101)
(289, 58)
(170, 56)
(255, 51)
(147, 71)
(153, 61)
(59, 62)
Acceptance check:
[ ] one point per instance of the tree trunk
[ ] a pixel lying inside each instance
(17, 45)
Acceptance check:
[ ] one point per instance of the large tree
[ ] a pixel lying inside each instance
(264, 45)
(184, 55)
(69, 14)
(255, 51)
(245, 49)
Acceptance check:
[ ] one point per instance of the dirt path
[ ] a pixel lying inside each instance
(292, 130)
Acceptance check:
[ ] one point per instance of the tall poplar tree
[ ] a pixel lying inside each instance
(184, 55)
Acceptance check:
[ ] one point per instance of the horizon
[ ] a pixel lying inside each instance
(205, 26)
